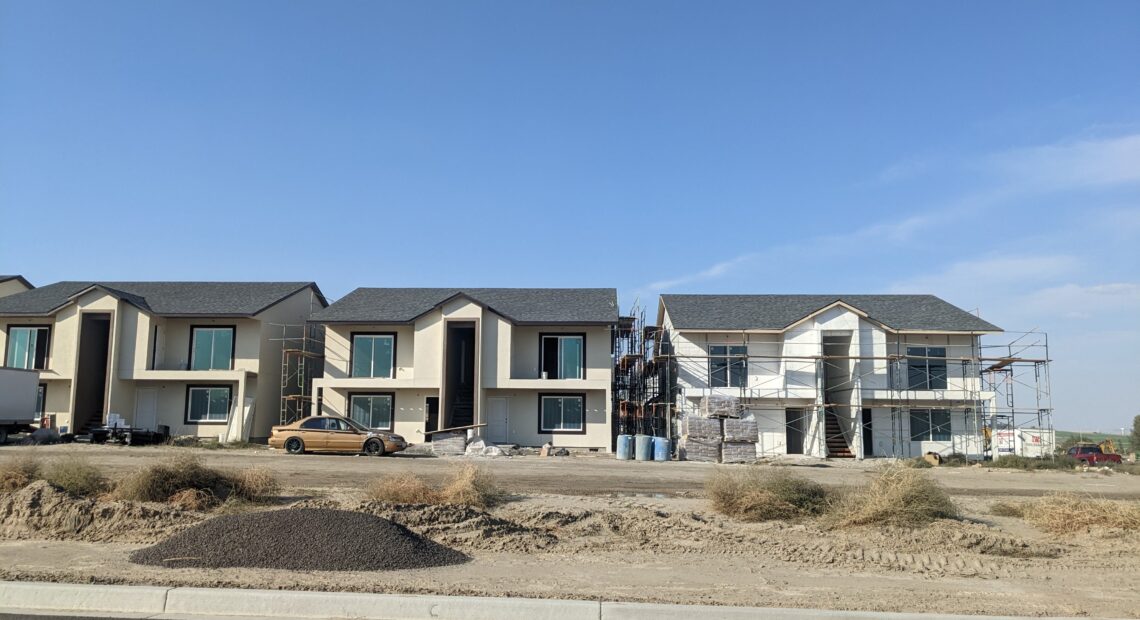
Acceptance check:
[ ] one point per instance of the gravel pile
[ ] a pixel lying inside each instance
(299, 539)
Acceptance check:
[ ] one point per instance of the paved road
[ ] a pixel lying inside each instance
(580, 475)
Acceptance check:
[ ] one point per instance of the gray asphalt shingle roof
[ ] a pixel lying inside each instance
(519, 305)
(162, 298)
(903, 312)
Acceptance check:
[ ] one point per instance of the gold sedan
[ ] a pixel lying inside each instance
(330, 433)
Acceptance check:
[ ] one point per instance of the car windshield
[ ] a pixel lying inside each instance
(358, 426)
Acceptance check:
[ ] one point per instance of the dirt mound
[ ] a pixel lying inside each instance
(40, 511)
(464, 527)
(299, 539)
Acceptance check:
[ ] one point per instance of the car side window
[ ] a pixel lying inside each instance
(315, 424)
(336, 425)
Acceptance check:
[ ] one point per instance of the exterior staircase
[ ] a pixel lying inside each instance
(836, 441)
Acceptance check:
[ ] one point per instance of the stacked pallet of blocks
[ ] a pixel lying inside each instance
(701, 439)
(740, 437)
(449, 444)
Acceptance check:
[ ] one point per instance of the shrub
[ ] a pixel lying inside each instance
(468, 486)
(472, 486)
(1066, 513)
(255, 484)
(917, 463)
(753, 494)
(1007, 509)
(405, 488)
(898, 496)
(75, 476)
(1026, 463)
(18, 472)
(191, 499)
(162, 482)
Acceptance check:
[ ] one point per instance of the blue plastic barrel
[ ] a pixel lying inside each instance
(660, 448)
(643, 447)
(625, 447)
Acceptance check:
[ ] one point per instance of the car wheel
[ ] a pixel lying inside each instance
(1084, 462)
(294, 445)
(3, 436)
(374, 447)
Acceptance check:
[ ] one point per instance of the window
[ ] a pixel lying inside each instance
(211, 348)
(28, 347)
(930, 425)
(926, 368)
(207, 404)
(41, 400)
(315, 424)
(562, 356)
(728, 366)
(562, 413)
(373, 355)
(372, 410)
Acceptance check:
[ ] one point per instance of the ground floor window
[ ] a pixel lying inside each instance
(562, 413)
(930, 425)
(207, 404)
(372, 410)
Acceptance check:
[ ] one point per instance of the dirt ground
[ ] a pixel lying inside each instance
(593, 528)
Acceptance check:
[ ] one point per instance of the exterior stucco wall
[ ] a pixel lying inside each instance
(11, 287)
(523, 420)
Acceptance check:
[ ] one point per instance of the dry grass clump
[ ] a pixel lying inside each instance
(753, 494)
(1066, 513)
(1007, 509)
(472, 486)
(256, 483)
(17, 473)
(917, 463)
(898, 496)
(191, 499)
(1013, 461)
(405, 488)
(171, 479)
(75, 476)
(468, 486)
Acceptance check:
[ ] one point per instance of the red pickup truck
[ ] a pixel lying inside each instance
(1093, 455)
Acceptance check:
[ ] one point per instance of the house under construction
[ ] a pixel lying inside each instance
(836, 375)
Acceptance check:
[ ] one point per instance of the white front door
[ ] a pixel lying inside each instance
(146, 409)
(497, 420)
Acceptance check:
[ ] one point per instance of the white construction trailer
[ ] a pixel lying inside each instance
(19, 390)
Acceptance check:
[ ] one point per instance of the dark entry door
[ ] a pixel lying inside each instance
(868, 436)
(794, 423)
(432, 422)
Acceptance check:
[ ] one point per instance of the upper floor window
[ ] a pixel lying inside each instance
(373, 355)
(728, 366)
(563, 356)
(211, 348)
(28, 347)
(926, 368)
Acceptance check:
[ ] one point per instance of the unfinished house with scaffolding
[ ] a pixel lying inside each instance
(844, 376)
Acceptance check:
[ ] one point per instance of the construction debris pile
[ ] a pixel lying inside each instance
(718, 440)
(299, 539)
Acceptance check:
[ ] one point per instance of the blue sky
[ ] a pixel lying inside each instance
(988, 153)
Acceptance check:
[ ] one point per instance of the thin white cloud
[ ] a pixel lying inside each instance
(1070, 165)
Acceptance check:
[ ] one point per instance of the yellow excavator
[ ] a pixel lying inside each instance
(1107, 447)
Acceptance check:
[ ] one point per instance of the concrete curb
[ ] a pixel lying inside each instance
(238, 604)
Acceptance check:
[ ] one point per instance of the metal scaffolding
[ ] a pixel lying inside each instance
(302, 359)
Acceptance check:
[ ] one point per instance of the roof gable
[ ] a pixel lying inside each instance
(779, 312)
(163, 298)
(518, 305)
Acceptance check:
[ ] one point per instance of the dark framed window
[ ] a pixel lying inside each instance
(208, 404)
(563, 355)
(372, 410)
(316, 424)
(930, 425)
(373, 355)
(211, 348)
(728, 366)
(926, 368)
(41, 399)
(562, 413)
(28, 346)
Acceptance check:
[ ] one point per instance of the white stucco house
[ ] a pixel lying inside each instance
(832, 375)
(201, 358)
(516, 366)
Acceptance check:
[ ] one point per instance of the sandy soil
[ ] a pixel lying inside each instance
(592, 528)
